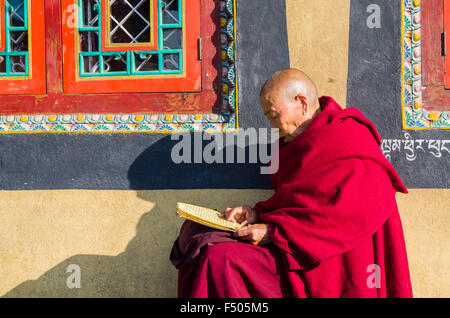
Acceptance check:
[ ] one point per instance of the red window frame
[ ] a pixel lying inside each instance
(34, 83)
(188, 82)
(57, 101)
(447, 42)
(436, 66)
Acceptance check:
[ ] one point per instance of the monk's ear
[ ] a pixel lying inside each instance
(302, 102)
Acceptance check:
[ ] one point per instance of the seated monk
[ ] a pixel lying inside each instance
(331, 228)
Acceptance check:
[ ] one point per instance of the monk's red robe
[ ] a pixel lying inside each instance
(333, 221)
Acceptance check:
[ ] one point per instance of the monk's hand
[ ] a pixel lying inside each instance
(241, 214)
(255, 234)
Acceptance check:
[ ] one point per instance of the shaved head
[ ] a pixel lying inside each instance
(289, 100)
(293, 82)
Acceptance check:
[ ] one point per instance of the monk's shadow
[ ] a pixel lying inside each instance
(143, 269)
(140, 271)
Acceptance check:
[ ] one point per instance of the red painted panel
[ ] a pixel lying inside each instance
(447, 32)
(53, 45)
(435, 96)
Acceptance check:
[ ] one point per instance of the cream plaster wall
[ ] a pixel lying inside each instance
(121, 239)
(318, 33)
(426, 225)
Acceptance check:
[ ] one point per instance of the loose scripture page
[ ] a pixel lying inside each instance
(205, 216)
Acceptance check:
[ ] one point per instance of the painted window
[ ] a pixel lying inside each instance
(132, 46)
(425, 99)
(22, 51)
(118, 66)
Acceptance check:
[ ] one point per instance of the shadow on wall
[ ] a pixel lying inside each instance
(144, 269)
(154, 169)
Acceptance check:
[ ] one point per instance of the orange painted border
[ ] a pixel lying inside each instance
(35, 82)
(113, 47)
(447, 33)
(2, 26)
(157, 83)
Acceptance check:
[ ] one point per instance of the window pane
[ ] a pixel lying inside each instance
(127, 45)
(170, 12)
(146, 62)
(171, 62)
(115, 63)
(172, 39)
(129, 21)
(18, 64)
(90, 13)
(19, 41)
(17, 13)
(14, 57)
(90, 64)
(89, 41)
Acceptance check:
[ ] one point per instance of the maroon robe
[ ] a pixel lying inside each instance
(333, 222)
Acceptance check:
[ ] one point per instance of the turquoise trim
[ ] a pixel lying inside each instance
(22, 13)
(130, 55)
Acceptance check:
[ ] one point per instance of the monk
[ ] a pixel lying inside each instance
(331, 228)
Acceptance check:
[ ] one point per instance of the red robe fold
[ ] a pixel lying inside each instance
(333, 221)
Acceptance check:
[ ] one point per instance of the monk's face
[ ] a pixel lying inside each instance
(283, 111)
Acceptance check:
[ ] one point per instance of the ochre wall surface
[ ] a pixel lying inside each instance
(121, 240)
(426, 225)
